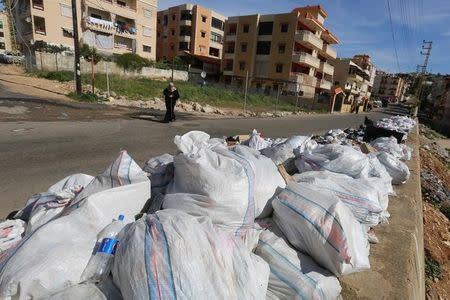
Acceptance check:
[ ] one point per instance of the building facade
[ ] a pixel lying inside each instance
(5, 41)
(353, 80)
(194, 31)
(365, 62)
(282, 52)
(112, 26)
(389, 86)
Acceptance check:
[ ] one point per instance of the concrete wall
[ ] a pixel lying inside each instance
(397, 262)
(65, 63)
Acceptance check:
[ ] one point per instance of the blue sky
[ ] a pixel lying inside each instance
(362, 26)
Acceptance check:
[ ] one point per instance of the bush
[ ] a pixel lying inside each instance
(132, 62)
(61, 76)
(446, 211)
(432, 268)
(85, 97)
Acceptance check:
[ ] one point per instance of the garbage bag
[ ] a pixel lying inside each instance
(256, 141)
(280, 153)
(160, 171)
(54, 255)
(360, 196)
(171, 255)
(333, 158)
(398, 170)
(294, 275)
(242, 181)
(220, 214)
(10, 233)
(322, 226)
(390, 145)
(41, 208)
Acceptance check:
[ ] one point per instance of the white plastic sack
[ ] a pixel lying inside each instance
(320, 225)
(256, 141)
(390, 145)
(398, 170)
(42, 207)
(171, 255)
(333, 158)
(160, 171)
(54, 255)
(402, 124)
(105, 290)
(294, 275)
(10, 233)
(280, 153)
(361, 197)
(374, 169)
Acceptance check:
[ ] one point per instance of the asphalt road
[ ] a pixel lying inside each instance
(34, 155)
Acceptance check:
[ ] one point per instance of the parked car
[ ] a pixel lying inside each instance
(11, 57)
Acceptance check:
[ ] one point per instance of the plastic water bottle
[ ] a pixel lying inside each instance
(101, 261)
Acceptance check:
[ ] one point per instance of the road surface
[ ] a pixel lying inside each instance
(35, 155)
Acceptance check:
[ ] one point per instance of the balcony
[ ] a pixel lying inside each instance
(185, 38)
(228, 55)
(304, 79)
(308, 38)
(185, 23)
(100, 25)
(355, 77)
(230, 37)
(329, 51)
(324, 84)
(326, 68)
(228, 72)
(305, 59)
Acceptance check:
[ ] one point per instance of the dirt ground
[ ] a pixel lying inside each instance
(436, 224)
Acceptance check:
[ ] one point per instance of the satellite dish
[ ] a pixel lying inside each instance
(203, 74)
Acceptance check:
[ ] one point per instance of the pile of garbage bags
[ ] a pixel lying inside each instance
(212, 221)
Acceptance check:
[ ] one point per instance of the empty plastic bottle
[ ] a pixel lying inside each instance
(101, 261)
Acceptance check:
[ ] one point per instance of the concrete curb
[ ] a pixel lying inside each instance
(397, 262)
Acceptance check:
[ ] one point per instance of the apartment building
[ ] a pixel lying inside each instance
(5, 41)
(365, 62)
(287, 52)
(112, 26)
(389, 86)
(194, 31)
(353, 80)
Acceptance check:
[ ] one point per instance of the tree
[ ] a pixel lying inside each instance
(132, 62)
(55, 49)
(91, 55)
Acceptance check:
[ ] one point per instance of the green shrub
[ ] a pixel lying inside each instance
(446, 211)
(132, 62)
(61, 76)
(432, 268)
(85, 97)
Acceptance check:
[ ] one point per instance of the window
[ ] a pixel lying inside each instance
(146, 48)
(245, 28)
(183, 46)
(203, 33)
(281, 48)
(166, 20)
(186, 15)
(2, 34)
(147, 13)
(146, 31)
(38, 4)
(215, 37)
(68, 33)
(214, 52)
(284, 27)
(204, 19)
(279, 68)
(263, 48)
(39, 25)
(265, 28)
(242, 65)
(216, 23)
(158, 34)
(244, 47)
(159, 21)
(173, 31)
(66, 10)
(202, 49)
(1, 24)
(96, 16)
(2, 45)
(121, 3)
(174, 17)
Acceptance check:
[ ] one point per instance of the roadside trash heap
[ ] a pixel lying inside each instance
(254, 218)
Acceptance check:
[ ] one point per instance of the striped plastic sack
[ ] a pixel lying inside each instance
(359, 195)
(172, 255)
(160, 169)
(54, 255)
(397, 169)
(294, 275)
(321, 225)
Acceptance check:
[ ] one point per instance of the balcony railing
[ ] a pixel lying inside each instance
(305, 36)
(38, 4)
(324, 84)
(303, 78)
(103, 25)
(326, 68)
(306, 58)
(329, 51)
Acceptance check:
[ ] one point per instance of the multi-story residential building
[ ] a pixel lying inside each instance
(287, 52)
(5, 41)
(364, 61)
(389, 86)
(112, 26)
(191, 30)
(353, 80)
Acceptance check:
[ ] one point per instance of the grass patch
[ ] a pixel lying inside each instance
(432, 269)
(61, 76)
(85, 97)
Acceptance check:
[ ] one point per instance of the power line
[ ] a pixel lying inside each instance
(393, 35)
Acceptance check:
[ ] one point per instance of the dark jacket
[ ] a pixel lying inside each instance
(169, 95)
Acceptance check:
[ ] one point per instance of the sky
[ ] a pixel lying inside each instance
(363, 26)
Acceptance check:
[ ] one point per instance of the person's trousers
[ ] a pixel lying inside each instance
(170, 110)
(357, 109)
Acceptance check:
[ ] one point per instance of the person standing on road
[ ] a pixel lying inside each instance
(171, 96)
(357, 104)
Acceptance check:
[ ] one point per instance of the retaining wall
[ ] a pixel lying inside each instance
(397, 261)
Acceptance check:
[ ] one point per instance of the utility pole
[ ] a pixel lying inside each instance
(426, 51)
(76, 47)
